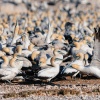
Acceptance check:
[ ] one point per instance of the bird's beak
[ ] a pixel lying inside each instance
(62, 52)
(39, 64)
(19, 55)
(19, 60)
(58, 59)
(72, 45)
(77, 57)
(35, 47)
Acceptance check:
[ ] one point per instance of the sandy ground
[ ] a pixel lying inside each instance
(79, 89)
(85, 88)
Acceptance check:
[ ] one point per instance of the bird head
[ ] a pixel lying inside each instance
(72, 36)
(68, 25)
(55, 61)
(80, 56)
(54, 36)
(3, 38)
(30, 47)
(76, 44)
(6, 50)
(61, 38)
(19, 49)
(35, 54)
(76, 39)
(42, 62)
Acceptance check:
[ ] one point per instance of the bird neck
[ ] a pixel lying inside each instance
(23, 38)
(12, 62)
(6, 61)
(78, 67)
(19, 50)
(16, 29)
(30, 47)
(54, 64)
(48, 38)
(33, 56)
(77, 47)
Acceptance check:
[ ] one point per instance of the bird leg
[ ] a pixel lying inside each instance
(8, 81)
(86, 59)
(74, 76)
(66, 58)
(80, 75)
(43, 83)
(52, 84)
(63, 78)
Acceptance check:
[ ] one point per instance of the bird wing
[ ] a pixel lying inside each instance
(26, 62)
(48, 72)
(26, 53)
(5, 72)
(9, 77)
(87, 49)
(70, 70)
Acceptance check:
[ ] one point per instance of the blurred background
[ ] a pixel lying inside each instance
(12, 6)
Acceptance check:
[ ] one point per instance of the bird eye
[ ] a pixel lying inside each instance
(59, 51)
(40, 62)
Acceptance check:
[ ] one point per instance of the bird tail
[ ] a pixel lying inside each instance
(95, 71)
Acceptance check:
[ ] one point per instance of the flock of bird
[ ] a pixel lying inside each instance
(47, 44)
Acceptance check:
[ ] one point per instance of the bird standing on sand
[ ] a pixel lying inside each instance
(51, 72)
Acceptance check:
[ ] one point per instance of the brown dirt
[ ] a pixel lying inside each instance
(69, 87)
(84, 80)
